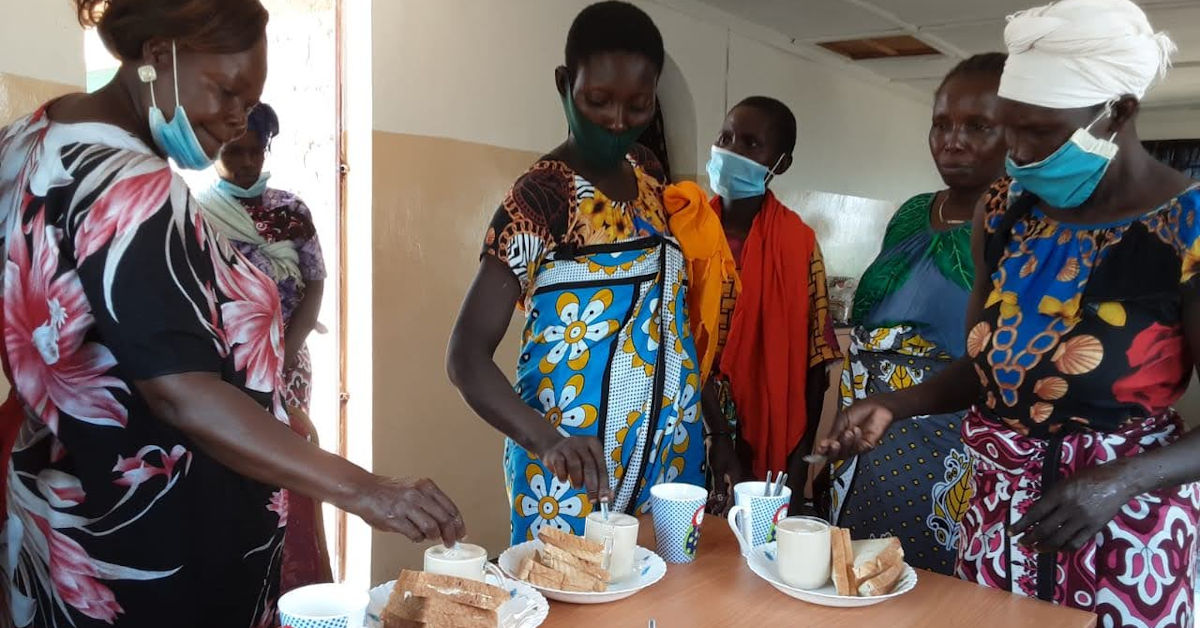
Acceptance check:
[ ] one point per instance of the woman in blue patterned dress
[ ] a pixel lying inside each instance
(606, 402)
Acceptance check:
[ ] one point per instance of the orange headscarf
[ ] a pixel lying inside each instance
(709, 262)
(766, 353)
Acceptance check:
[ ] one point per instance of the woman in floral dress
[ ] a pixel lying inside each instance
(607, 382)
(1083, 324)
(274, 230)
(144, 351)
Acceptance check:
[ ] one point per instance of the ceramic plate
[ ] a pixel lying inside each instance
(762, 563)
(526, 609)
(648, 569)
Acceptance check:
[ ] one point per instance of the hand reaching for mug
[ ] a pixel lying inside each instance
(416, 508)
(855, 430)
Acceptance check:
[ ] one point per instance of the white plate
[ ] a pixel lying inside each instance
(526, 608)
(648, 569)
(762, 563)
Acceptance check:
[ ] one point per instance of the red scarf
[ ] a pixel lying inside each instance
(766, 353)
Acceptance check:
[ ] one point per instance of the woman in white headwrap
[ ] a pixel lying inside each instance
(1083, 330)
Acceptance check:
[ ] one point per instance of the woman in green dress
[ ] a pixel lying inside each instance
(909, 317)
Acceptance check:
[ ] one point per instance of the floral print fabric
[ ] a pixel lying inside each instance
(113, 277)
(607, 351)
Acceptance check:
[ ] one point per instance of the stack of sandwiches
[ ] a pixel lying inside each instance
(421, 600)
(566, 563)
(865, 568)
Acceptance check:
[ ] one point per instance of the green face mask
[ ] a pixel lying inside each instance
(599, 146)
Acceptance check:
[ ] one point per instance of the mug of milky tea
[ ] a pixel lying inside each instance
(803, 552)
(618, 534)
(464, 560)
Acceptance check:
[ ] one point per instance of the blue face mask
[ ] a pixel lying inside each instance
(175, 138)
(733, 177)
(238, 191)
(1068, 178)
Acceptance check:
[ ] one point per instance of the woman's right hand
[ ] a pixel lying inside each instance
(580, 460)
(856, 429)
(727, 472)
(414, 507)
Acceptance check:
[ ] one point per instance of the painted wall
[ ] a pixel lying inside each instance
(465, 101)
(1169, 124)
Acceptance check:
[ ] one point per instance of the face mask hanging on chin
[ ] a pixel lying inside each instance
(177, 139)
(238, 191)
(1068, 177)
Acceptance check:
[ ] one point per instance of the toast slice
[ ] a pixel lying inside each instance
(437, 611)
(575, 577)
(884, 582)
(554, 556)
(460, 590)
(873, 556)
(579, 547)
(539, 575)
(842, 561)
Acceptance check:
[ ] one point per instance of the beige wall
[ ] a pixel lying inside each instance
(433, 198)
(1169, 124)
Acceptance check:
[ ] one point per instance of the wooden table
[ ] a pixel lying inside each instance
(718, 589)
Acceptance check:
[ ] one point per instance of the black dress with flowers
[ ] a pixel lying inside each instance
(113, 278)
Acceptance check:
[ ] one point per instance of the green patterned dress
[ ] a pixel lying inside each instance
(909, 317)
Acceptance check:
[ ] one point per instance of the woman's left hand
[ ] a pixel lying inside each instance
(1076, 509)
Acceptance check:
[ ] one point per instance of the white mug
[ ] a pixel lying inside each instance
(619, 536)
(323, 606)
(803, 552)
(754, 516)
(464, 560)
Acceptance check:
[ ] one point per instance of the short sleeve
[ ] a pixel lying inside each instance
(823, 344)
(530, 221)
(146, 275)
(1188, 228)
(312, 261)
(996, 202)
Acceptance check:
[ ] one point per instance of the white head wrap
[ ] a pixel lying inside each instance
(1080, 53)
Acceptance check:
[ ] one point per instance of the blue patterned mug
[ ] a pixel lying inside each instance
(323, 606)
(678, 511)
(755, 514)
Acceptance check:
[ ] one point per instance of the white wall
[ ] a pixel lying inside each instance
(1169, 124)
(41, 39)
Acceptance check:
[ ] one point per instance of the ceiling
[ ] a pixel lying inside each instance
(957, 28)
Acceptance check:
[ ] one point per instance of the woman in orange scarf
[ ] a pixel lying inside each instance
(775, 337)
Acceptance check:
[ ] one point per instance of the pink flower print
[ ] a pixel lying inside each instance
(253, 323)
(279, 506)
(76, 576)
(48, 317)
(136, 470)
(121, 209)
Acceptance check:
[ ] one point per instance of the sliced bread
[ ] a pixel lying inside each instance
(583, 549)
(842, 561)
(437, 611)
(460, 590)
(873, 556)
(883, 582)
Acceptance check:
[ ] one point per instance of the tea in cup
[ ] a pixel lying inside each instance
(803, 550)
(464, 560)
(618, 534)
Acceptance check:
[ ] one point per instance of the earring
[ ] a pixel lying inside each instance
(147, 73)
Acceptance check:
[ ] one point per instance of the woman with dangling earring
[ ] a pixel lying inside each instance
(151, 451)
